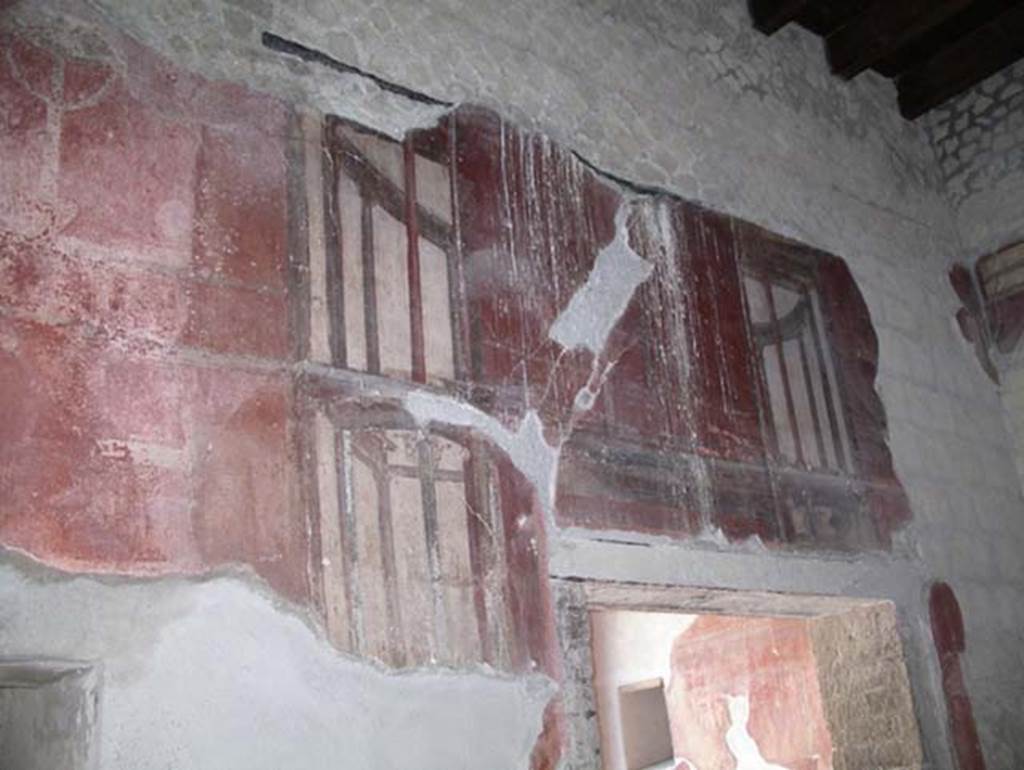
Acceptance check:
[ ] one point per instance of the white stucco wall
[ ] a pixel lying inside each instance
(629, 647)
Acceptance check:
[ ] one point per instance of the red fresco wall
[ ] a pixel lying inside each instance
(771, 661)
(950, 644)
(142, 278)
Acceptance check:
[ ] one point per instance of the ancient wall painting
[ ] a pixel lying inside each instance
(950, 644)
(734, 389)
(991, 315)
(381, 372)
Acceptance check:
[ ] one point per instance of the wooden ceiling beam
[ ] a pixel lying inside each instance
(882, 29)
(964, 63)
(823, 17)
(928, 45)
(772, 15)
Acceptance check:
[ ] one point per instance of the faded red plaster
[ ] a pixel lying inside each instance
(114, 298)
(84, 81)
(24, 135)
(165, 88)
(771, 660)
(950, 643)
(119, 455)
(72, 495)
(236, 319)
(241, 222)
(244, 477)
(36, 67)
(145, 162)
(119, 463)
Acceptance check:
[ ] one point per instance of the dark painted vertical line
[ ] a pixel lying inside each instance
(456, 271)
(720, 350)
(812, 400)
(772, 514)
(412, 236)
(481, 556)
(513, 358)
(502, 627)
(439, 644)
(335, 277)
(830, 406)
(298, 241)
(395, 628)
(306, 496)
(784, 373)
(349, 550)
(300, 432)
(369, 284)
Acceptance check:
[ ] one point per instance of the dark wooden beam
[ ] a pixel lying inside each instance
(883, 28)
(928, 45)
(969, 60)
(772, 15)
(823, 17)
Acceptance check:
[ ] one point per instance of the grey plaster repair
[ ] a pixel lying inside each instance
(596, 306)
(526, 446)
(587, 320)
(217, 675)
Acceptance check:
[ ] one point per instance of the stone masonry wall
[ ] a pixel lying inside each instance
(979, 141)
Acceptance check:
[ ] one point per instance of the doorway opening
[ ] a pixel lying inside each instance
(696, 679)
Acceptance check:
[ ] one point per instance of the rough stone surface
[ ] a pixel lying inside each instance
(864, 688)
(978, 138)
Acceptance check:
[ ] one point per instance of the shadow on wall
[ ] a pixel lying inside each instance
(49, 710)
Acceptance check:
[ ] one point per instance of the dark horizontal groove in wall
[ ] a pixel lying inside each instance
(283, 45)
(634, 187)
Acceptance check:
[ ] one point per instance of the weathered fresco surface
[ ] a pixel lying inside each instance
(951, 643)
(380, 372)
(770, 663)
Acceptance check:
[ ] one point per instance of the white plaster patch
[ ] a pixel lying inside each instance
(143, 452)
(586, 322)
(738, 739)
(174, 220)
(598, 304)
(526, 447)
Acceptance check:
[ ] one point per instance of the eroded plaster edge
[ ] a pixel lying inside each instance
(36, 571)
